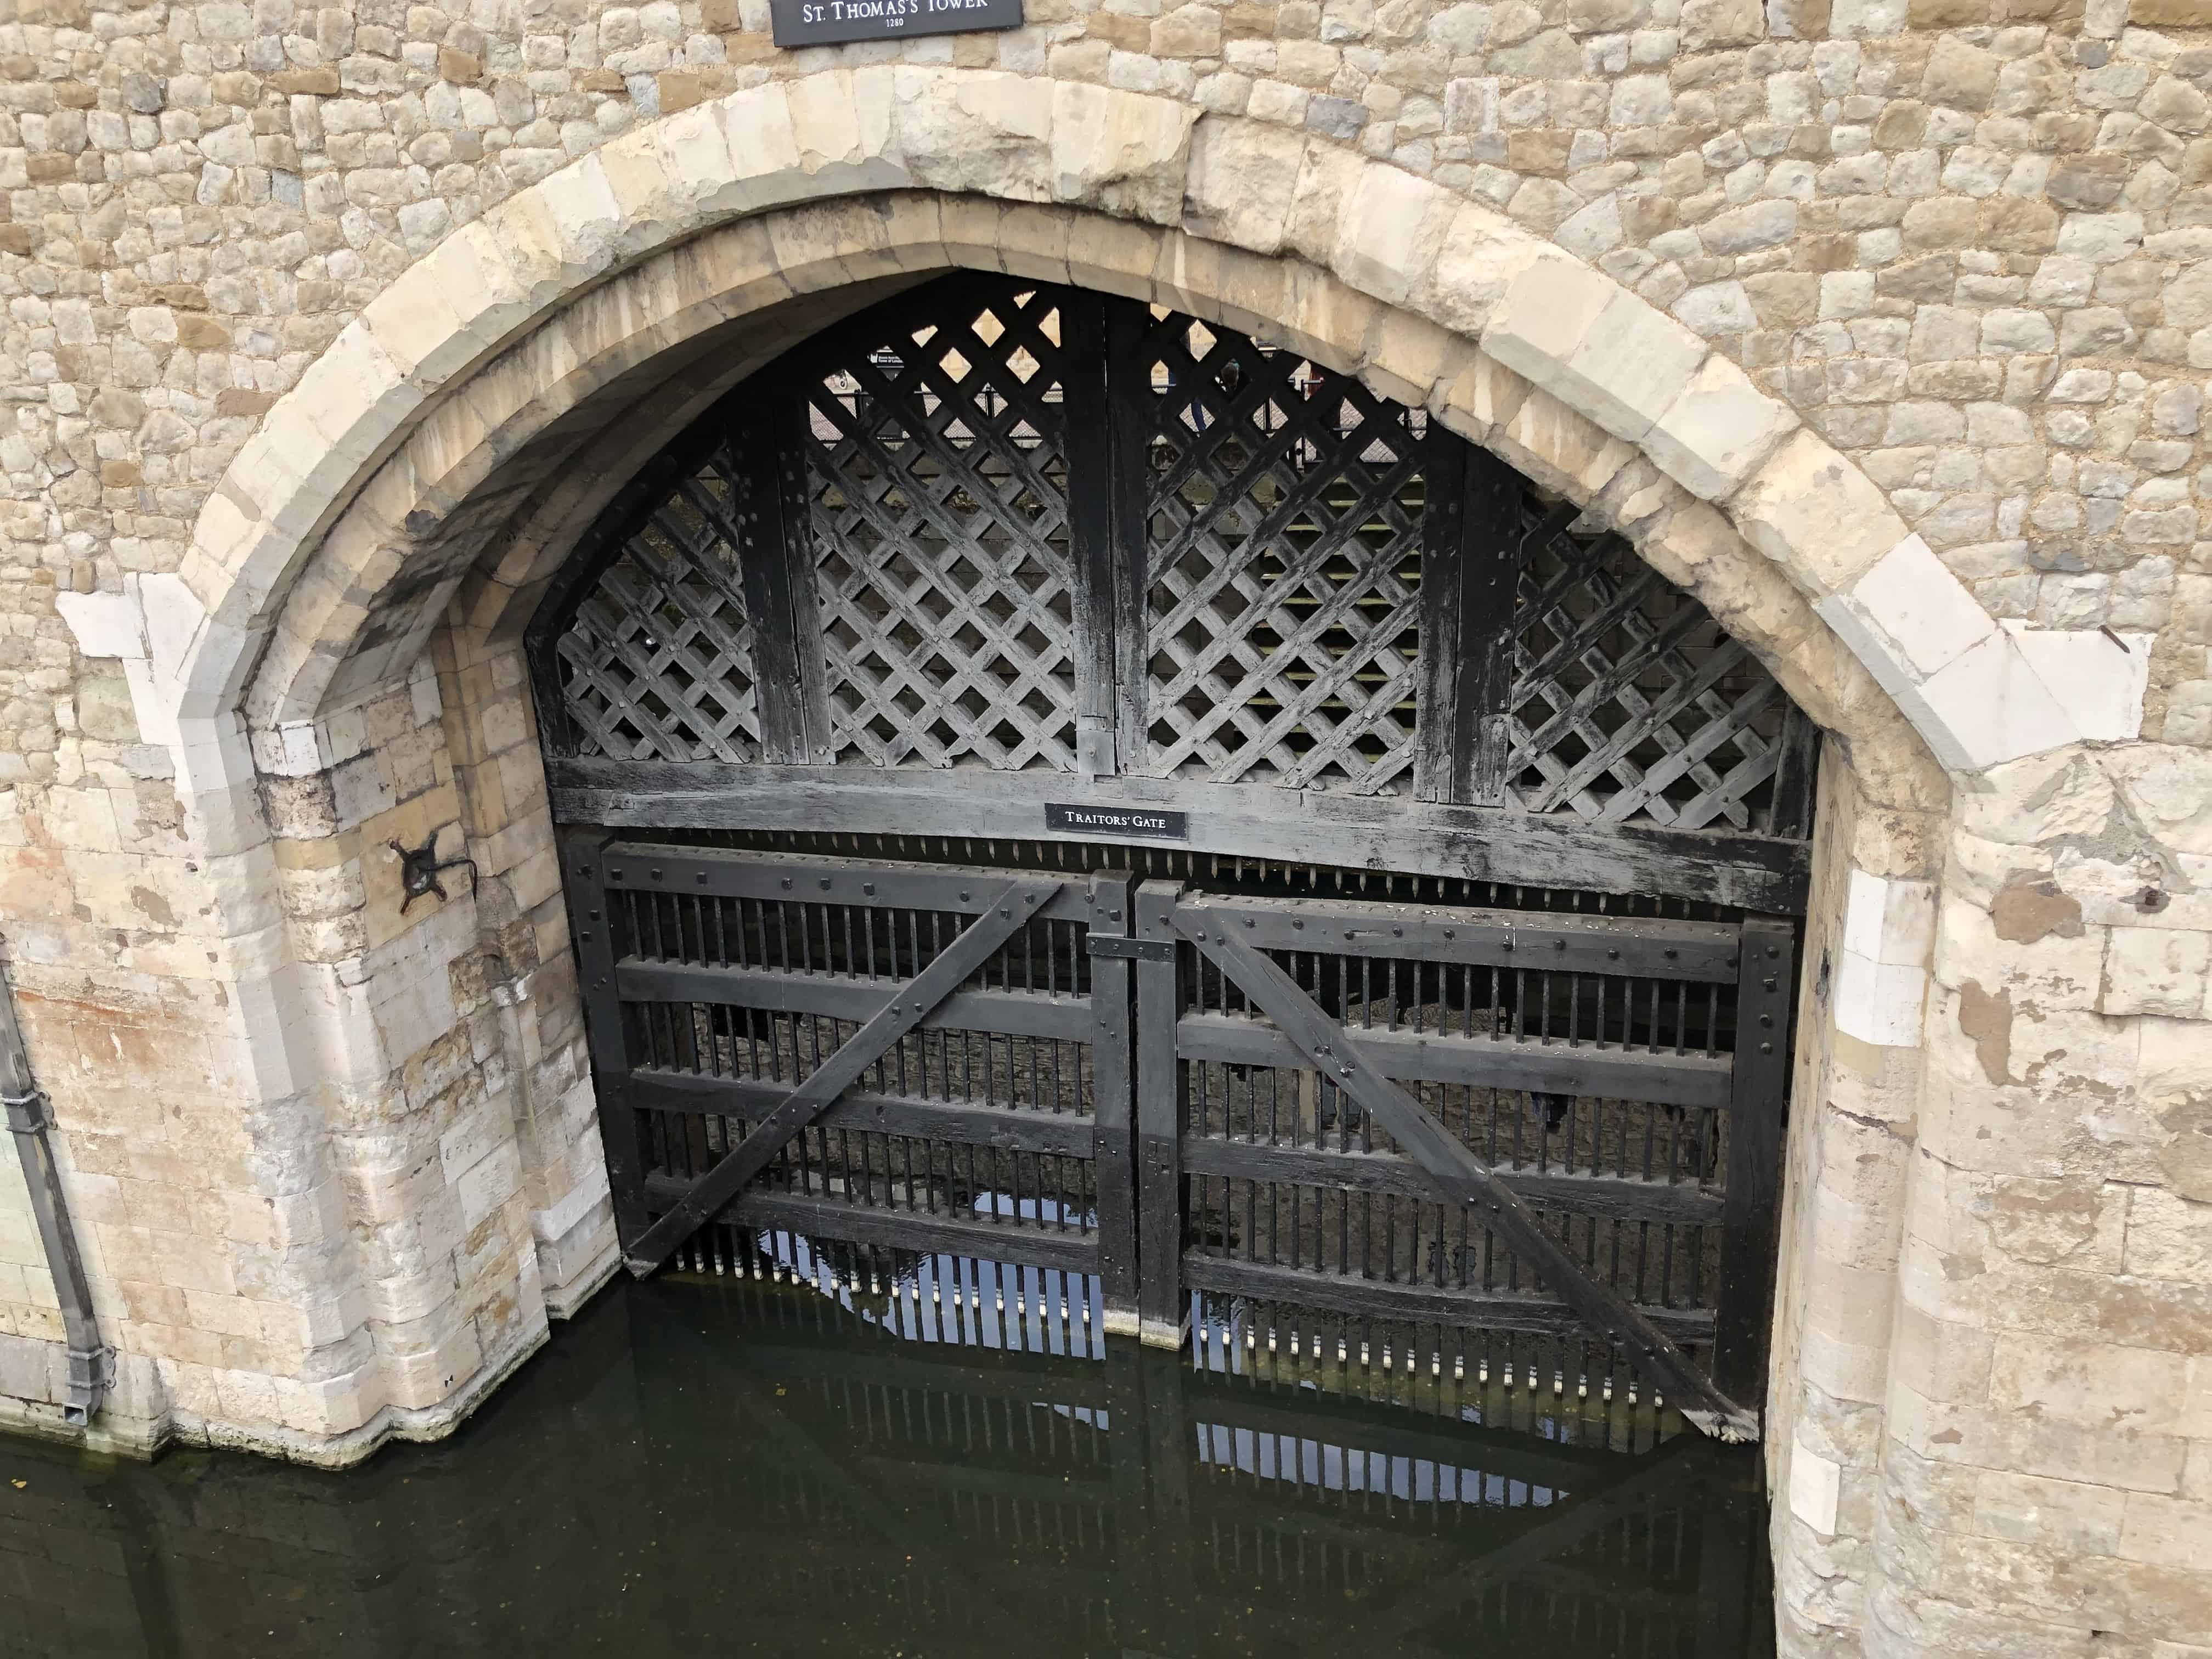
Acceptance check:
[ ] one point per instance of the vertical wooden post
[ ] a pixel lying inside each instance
(1765, 980)
(1130, 411)
(776, 555)
(1113, 894)
(1165, 1311)
(591, 921)
(1471, 557)
(1092, 543)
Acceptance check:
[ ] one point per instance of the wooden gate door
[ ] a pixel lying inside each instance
(1564, 1128)
(934, 1059)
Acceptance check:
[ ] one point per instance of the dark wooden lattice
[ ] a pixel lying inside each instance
(1282, 571)
(996, 524)
(937, 477)
(657, 663)
(1629, 701)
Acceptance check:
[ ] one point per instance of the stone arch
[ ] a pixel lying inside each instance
(1439, 299)
(433, 464)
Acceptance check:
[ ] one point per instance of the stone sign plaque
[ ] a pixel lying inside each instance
(826, 22)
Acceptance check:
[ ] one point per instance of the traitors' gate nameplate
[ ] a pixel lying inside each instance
(826, 22)
(1117, 822)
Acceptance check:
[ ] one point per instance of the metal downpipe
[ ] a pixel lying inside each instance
(91, 1362)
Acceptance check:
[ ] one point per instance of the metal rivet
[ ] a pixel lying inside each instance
(1773, 951)
(1671, 953)
(964, 895)
(825, 884)
(1613, 956)
(787, 881)
(1766, 1048)
(584, 935)
(656, 875)
(1766, 1019)
(702, 878)
(869, 888)
(1298, 925)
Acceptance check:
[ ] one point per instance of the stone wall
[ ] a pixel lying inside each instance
(1884, 327)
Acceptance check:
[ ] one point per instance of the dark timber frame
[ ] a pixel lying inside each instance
(996, 545)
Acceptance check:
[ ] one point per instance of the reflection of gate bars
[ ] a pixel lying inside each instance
(894, 1055)
(1213, 1516)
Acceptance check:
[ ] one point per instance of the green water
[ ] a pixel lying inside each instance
(713, 1467)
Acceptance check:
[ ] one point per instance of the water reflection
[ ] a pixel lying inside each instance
(739, 1467)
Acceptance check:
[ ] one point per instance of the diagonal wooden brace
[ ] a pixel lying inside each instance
(1464, 1179)
(1006, 913)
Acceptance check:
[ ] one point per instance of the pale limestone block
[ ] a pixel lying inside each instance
(1547, 310)
(1559, 447)
(1717, 431)
(2054, 972)
(764, 147)
(1987, 708)
(1391, 226)
(585, 213)
(2165, 1532)
(1242, 290)
(2169, 1236)
(1482, 399)
(979, 131)
(1816, 1484)
(841, 127)
(1887, 920)
(1124, 258)
(1879, 1002)
(2044, 798)
(1921, 611)
(704, 184)
(417, 327)
(2064, 1514)
(652, 212)
(2157, 970)
(2170, 789)
(1816, 515)
(1121, 151)
(1477, 258)
(104, 624)
(1323, 319)
(1242, 177)
(2101, 677)
(2091, 1383)
(524, 231)
(1407, 358)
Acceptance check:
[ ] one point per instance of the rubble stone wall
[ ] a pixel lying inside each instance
(1883, 326)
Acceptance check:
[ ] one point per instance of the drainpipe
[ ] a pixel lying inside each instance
(91, 1363)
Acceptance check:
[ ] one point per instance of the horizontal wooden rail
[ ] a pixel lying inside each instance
(1702, 951)
(1010, 1129)
(1612, 1198)
(837, 996)
(1527, 1063)
(904, 1230)
(714, 872)
(975, 805)
(1424, 1304)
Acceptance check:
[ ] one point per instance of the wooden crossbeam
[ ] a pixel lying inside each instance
(1461, 1177)
(904, 1008)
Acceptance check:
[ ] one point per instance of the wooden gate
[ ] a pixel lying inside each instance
(934, 1058)
(896, 634)
(1330, 1115)
(1561, 1126)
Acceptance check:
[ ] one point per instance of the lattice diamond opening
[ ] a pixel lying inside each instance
(1282, 568)
(937, 478)
(657, 662)
(1629, 701)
